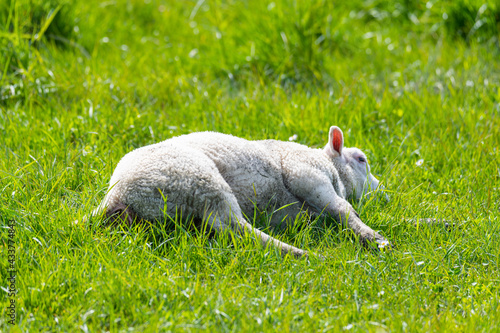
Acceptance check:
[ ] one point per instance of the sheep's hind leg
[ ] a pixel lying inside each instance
(431, 221)
(227, 209)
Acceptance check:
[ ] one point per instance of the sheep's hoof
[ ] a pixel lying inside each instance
(378, 244)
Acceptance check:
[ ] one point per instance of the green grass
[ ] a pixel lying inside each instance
(82, 83)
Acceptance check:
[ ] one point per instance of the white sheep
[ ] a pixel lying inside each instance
(221, 178)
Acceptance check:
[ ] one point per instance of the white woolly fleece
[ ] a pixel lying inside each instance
(208, 173)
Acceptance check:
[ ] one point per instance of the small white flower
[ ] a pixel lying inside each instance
(469, 83)
(420, 162)
(193, 53)
(383, 244)
(293, 137)
(348, 327)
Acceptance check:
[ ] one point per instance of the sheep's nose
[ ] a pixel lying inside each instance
(375, 184)
(382, 188)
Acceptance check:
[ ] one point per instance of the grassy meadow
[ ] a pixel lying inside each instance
(414, 84)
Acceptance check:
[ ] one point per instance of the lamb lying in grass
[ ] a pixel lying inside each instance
(221, 179)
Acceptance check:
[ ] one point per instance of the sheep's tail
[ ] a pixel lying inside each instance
(120, 213)
(113, 212)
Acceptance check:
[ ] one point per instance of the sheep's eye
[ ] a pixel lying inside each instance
(361, 159)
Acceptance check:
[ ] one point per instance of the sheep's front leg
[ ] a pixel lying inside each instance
(343, 212)
(325, 200)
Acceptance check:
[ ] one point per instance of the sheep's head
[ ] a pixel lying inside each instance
(352, 166)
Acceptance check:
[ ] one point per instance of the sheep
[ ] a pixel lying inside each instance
(221, 178)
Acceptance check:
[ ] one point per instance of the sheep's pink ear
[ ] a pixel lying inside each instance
(335, 141)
